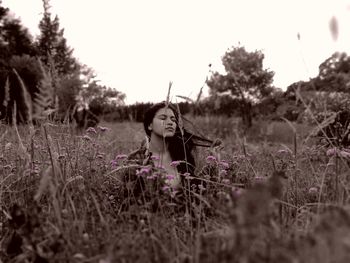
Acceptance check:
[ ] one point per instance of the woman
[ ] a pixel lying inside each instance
(168, 147)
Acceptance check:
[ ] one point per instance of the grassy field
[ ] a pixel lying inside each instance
(271, 196)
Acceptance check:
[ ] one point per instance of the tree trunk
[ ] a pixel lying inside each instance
(246, 111)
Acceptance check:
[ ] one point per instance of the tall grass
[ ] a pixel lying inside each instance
(62, 202)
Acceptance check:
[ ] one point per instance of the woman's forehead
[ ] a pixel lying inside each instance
(165, 111)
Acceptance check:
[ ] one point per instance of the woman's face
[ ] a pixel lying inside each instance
(164, 123)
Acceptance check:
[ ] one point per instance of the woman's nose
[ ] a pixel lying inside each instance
(169, 121)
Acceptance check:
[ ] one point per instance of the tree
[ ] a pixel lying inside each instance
(245, 80)
(24, 94)
(334, 74)
(52, 45)
(102, 99)
(14, 37)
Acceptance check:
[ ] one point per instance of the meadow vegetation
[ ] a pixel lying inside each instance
(273, 191)
(271, 196)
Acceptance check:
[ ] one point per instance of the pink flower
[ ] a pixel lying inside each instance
(225, 181)
(173, 193)
(143, 171)
(86, 138)
(91, 130)
(166, 188)
(174, 163)
(224, 164)
(156, 174)
(283, 151)
(114, 163)
(103, 129)
(159, 166)
(330, 163)
(237, 192)
(222, 173)
(344, 154)
(201, 187)
(61, 157)
(313, 191)
(170, 177)
(186, 174)
(259, 179)
(121, 157)
(155, 157)
(210, 159)
(331, 151)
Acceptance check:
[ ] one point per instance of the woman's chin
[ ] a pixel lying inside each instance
(168, 134)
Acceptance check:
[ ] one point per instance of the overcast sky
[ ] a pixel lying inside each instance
(138, 46)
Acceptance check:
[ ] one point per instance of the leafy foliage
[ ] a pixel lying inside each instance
(102, 99)
(14, 37)
(245, 79)
(52, 45)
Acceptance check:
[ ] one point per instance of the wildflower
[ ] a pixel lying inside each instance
(103, 129)
(201, 187)
(210, 159)
(64, 211)
(331, 152)
(330, 163)
(173, 193)
(222, 173)
(142, 222)
(86, 138)
(237, 192)
(174, 163)
(8, 146)
(114, 163)
(159, 166)
(156, 174)
(143, 171)
(121, 157)
(166, 188)
(344, 154)
(99, 156)
(225, 181)
(86, 237)
(259, 179)
(284, 151)
(186, 175)
(170, 177)
(313, 191)
(224, 164)
(155, 157)
(151, 177)
(207, 176)
(91, 130)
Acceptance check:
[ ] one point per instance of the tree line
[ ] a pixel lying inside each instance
(245, 90)
(40, 76)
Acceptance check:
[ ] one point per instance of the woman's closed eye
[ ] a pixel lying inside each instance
(164, 117)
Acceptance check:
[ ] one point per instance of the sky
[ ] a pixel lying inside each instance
(139, 46)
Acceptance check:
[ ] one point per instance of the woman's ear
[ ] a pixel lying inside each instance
(150, 127)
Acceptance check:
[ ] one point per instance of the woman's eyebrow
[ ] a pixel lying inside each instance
(166, 115)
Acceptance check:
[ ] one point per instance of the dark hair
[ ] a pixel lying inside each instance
(183, 143)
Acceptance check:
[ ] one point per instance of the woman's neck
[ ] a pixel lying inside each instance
(158, 145)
